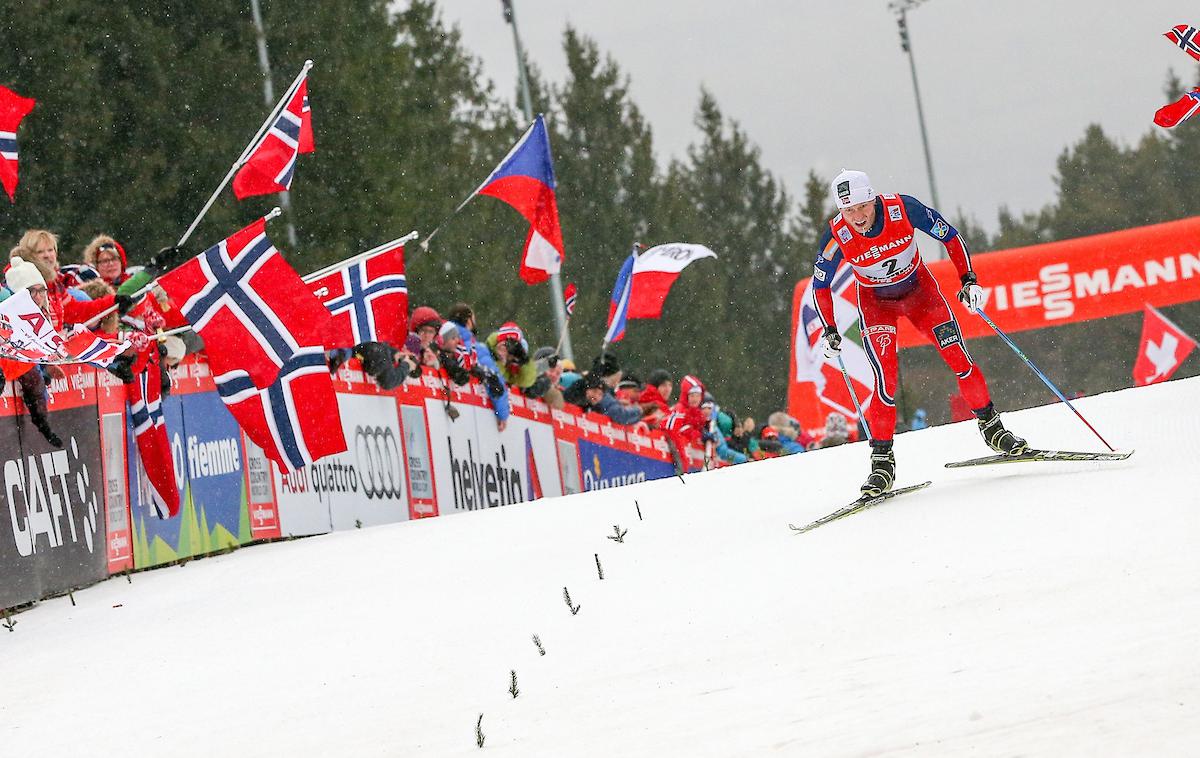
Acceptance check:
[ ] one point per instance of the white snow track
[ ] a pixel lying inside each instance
(1042, 609)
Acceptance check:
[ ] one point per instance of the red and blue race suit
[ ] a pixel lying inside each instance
(893, 281)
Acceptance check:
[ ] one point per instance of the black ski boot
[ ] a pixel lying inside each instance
(883, 470)
(995, 435)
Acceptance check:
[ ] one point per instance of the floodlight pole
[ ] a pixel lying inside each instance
(556, 289)
(901, 8)
(264, 63)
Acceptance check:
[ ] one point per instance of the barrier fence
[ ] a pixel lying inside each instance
(76, 515)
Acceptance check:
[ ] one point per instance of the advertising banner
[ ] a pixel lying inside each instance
(423, 501)
(116, 504)
(477, 466)
(603, 467)
(209, 472)
(52, 535)
(364, 486)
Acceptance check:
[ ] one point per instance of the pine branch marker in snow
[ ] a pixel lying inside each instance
(71, 595)
(617, 535)
(512, 687)
(639, 509)
(128, 576)
(479, 731)
(599, 570)
(538, 641)
(9, 621)
(567, 596)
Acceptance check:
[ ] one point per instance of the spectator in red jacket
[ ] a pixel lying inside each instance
(656, 397)
(41, 246)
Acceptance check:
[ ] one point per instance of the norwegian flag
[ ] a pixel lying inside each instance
(569, 297)
(272, 162)
(252, 309)
(465, 356)
(368, 300)
(1184, 37)
(1173, 114)
(150, 431)
(13, 108)
(89, 347)
(295, 420)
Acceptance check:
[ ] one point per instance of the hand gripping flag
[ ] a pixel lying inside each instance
(525, 180)
(154, 447)
(655, 271)
(13, 108)
(296, 420)
(368, 300)
(1184, 37)
(569, 297)
(272, 162)
(618, 305)
(252, 309)
(1163, 349)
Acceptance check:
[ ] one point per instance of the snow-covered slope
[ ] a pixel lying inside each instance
(1041, 609)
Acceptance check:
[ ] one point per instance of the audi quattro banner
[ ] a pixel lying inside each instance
(477, 466)
(52, 535)
(364, 486)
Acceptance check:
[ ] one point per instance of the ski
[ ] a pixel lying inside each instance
(861, 504)
(1040, 455)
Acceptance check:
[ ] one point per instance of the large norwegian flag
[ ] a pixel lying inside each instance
(150, 431)
(272, 162)
(1164, 347)
(252, 309)
(296, 420)
(368, 300)
(13, 108)
(525, 180)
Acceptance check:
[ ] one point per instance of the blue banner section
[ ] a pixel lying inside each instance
(602, 467)
(206, 448)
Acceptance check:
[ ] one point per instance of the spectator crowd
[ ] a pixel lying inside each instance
(99, 292)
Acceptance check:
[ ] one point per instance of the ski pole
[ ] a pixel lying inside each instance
(853, 396)
(1041, 376)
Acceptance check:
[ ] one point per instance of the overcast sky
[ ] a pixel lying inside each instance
(1006, 84)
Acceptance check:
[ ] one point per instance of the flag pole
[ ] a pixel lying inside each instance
(150, 284)
(355, 259)
(262, 130)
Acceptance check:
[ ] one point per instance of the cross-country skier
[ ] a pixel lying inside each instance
(875, 235)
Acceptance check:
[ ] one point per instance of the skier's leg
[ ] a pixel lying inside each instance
(929, 312)
(877, 319)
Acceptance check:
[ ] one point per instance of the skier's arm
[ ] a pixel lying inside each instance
(932, 223)
(829, 256)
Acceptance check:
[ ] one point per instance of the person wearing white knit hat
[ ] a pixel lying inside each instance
(876, 236)
(23, 275)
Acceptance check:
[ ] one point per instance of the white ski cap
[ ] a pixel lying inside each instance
(851, 188)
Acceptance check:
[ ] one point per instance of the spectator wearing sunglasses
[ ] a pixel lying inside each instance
(41, 247)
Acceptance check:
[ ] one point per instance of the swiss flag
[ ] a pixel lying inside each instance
(1163, 349)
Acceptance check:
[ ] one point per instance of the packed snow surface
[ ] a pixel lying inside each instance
(1042, 609)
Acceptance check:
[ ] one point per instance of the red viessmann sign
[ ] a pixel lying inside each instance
(1076, 280)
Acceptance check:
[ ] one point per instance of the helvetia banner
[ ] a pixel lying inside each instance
(476, 466)
(52, 530)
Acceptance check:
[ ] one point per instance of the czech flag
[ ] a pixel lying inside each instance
(618, 306)
(525, 180)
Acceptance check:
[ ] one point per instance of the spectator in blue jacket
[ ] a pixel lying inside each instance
(485, 367)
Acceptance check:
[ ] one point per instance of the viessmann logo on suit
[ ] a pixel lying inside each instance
(372, 468)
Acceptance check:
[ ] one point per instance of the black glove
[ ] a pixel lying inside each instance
(122, 367)
(494, 386)
(454, 369)
(833, 342)
(166, 259)
(124, 303)
(971, 294)
(376, 357)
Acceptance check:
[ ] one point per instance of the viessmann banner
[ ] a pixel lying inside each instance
(1073, 280)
